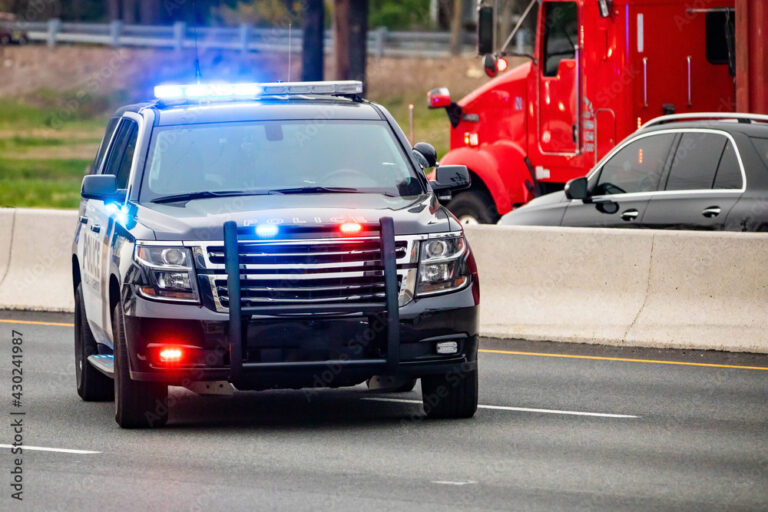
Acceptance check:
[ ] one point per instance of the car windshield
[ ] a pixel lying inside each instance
(311, 156)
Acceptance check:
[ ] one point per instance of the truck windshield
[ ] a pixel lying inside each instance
(312, 156)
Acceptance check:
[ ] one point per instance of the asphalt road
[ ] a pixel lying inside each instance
(661, 437)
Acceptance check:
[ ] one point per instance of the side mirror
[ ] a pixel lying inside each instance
(439, 98)
(490, 65)
(577, 189)
(451, 178)
(485, 30)
(102, 187)
(427, 151)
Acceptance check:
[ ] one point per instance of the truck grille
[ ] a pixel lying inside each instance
(333, 271)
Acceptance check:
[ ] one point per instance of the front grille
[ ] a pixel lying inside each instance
(333, 271)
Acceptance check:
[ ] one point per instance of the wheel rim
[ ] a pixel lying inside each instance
(468, 220)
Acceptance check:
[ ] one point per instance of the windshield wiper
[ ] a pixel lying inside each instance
(206, 195)
(315, 190)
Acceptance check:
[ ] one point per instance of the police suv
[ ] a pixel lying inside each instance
(282, 235)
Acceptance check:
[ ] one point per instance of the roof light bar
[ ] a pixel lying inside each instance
(224, 91)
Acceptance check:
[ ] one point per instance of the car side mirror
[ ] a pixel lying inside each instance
(451, 178)
(426, 150)
(577, 188)
(101, 187)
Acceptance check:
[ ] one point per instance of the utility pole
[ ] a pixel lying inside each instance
(312, 51)
(456, 31)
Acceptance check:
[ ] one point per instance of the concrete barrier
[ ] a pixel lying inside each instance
(667, 289)
(39, 268)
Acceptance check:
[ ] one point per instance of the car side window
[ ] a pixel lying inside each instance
(121, 154)
(96, 165)
(729, 171)
(561, 29)
(637, 167)
(695, 162)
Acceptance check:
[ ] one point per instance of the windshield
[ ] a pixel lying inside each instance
(277, 157)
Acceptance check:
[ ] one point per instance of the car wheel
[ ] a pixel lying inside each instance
(474, 207)
(92, 385)
(452, 395)
(137, 404)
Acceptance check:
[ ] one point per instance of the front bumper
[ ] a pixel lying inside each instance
(257, 348)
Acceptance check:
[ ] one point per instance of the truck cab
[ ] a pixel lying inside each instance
(599, 70)
(258, 236)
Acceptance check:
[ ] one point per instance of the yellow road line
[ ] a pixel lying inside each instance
(506, 352)
(623, 359)
(30, 322)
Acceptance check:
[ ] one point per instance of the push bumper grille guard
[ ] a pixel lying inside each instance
(236, 312)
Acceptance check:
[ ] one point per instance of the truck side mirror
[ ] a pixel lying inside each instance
(427, 151)
(101, 187)
(577, 188)
(451, 178)
(439, 98)
(485, 30)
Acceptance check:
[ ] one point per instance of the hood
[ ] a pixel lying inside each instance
(203, 219)
(546, 200)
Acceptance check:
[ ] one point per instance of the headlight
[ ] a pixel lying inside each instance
(171, 273)
(442, 266)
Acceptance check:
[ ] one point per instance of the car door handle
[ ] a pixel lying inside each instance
(95, 228)
(630, 215)
(83, 220)
(712, 211)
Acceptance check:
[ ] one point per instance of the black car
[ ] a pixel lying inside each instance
(269, 236)
(673, 173)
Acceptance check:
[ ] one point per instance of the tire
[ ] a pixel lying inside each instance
(92, 385)
(474, 207)
(137, 404)
(452, 395)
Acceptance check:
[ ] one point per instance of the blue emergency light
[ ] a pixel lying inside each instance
(234, 91)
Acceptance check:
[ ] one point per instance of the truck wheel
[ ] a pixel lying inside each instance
(137, 404)
(453, 395)
(92, 385)
(474, 207)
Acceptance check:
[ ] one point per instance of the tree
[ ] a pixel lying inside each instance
(456, 13)
(149, 12)
(351, 38)
(312, 52)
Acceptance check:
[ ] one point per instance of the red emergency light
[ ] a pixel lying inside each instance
(350, 228)
(170, 355)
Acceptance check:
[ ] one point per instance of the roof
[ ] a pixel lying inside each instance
(257, 110)
(751, 129)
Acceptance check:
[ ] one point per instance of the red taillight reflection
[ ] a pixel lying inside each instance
(351, 228)
(170, 355)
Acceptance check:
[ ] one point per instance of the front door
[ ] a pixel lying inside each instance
(558, 78)
(622, 188)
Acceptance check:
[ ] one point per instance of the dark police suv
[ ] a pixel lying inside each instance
(704, 171)
(263, 236)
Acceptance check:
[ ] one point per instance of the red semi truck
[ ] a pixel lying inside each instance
(599, 69)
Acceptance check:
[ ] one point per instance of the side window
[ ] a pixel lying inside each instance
(695, 162)
(104, 144)
(720, 27)
(637, 167)
(728, 172)
(121, 155)
(560, 35)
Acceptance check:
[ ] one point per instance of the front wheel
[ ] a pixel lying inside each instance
(474, 207)
(452, 395)
(137, 404)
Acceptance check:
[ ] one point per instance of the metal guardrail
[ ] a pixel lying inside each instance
(245, 38)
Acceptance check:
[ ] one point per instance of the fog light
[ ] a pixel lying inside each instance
(447, 347)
